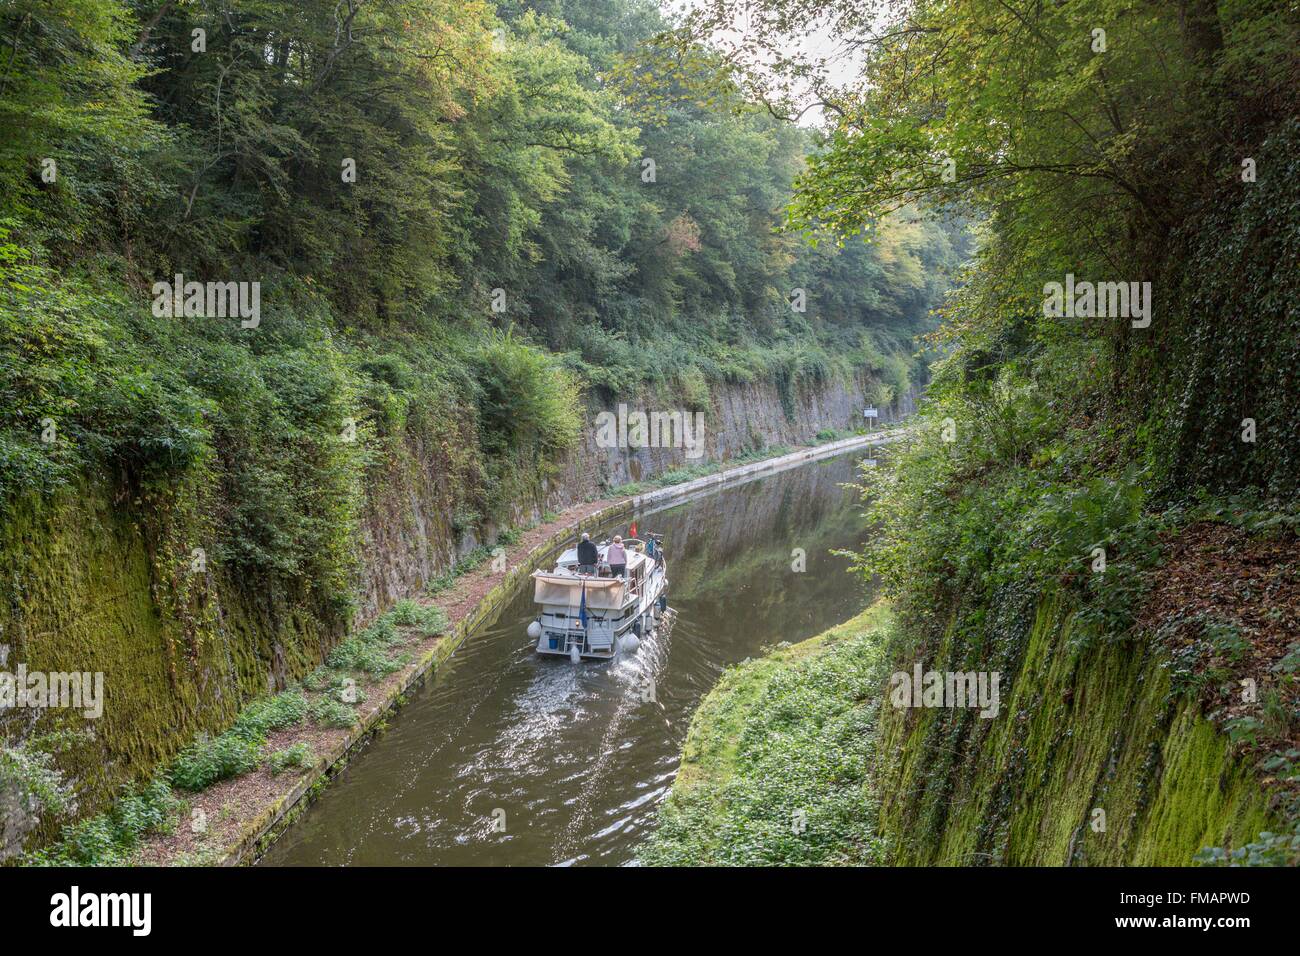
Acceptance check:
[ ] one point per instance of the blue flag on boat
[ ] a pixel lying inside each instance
(582, 607)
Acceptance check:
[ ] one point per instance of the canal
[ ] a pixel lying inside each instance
(505, 758)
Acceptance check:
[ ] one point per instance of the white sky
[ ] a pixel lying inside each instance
(843, 67)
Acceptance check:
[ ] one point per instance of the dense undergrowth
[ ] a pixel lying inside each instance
(776, 766)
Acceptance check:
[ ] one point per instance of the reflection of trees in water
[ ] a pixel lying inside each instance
(748, 532)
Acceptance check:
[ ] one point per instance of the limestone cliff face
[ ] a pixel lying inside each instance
(102, 580)
(410, 531)
(741, 418)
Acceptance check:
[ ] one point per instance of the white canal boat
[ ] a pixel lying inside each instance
(589, 612)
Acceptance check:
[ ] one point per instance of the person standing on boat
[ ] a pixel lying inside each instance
(617, 557)
(588, 555)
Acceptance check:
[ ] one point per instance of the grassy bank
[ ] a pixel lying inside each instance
(775, 768)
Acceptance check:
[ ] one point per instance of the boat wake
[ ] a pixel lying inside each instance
(638, 674)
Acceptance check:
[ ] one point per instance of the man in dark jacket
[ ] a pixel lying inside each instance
(588, 555)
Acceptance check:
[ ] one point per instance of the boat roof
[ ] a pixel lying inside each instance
(565, 586)
(567, 562)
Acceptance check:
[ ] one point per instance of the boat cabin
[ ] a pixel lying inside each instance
(613, 605)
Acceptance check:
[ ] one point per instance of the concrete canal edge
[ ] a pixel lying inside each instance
(258, 835)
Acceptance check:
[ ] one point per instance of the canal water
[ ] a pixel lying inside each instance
(506, 758)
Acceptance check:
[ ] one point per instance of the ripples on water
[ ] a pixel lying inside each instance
(578, 758)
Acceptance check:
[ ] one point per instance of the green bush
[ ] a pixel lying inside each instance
(108, 838)
(441, 583)
(529, 401)
(381, 632)
(297, 757)
(329, 712)
(209, 760)
(69, 364)
(319, 679)
(262, 716)
(606, 360)
(368, 656)
(693, 389)
(405, 613)
(28, 771)
(425, 619)
(431, 621)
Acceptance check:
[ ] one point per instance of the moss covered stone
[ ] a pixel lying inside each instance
(1078, 733)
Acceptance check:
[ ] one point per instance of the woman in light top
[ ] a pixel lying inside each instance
(617, 557)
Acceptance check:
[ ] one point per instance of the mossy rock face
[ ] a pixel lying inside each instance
(120, 579)
(1092, 760)
(88, 589)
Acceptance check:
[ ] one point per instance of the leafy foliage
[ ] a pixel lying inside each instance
(1053, 450)
(109, 838)
(267, 714)
(28, 776)
(796, 790)
(529, 403)
(297, 757)
(330, 712)
(209, 760)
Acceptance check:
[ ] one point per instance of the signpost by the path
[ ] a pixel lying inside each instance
(870, 414)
